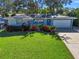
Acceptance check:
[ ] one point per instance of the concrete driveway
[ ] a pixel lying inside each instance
(71, 39)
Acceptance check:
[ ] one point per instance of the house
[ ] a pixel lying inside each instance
(57, 21)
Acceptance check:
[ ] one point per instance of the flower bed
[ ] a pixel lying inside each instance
(44, 28)
(34, 28)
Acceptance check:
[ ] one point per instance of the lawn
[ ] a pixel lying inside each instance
(32, 46)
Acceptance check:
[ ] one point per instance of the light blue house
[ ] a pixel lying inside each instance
(57, 21)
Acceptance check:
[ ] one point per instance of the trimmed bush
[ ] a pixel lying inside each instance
(46, 28)
(5, 15)
(49, 28)
(13, 28)
(26, 28)
(53, 28)
(40, 27)
(34, 28)
(13, 14)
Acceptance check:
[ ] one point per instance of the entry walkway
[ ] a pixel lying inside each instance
(71, 39)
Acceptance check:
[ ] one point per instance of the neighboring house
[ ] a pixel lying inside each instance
(57, 21)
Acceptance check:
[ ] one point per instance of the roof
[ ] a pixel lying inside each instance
(19, 17)
(22, 17)
(52, 17)
(59, 18)
(63, 17)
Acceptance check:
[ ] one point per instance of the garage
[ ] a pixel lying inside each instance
(62, 23)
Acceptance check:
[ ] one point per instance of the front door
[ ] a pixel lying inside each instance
(48, 21)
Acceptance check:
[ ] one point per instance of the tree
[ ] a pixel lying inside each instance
(33, 6)
(5, 7)
(56, 4)
(77, 15)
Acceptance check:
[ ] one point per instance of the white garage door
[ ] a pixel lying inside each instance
(62, 23)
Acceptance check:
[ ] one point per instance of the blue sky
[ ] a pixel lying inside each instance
(74, 4)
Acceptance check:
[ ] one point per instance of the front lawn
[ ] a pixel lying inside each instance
(32, 46)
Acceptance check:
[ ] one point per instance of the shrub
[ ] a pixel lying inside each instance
(7, 28)
(34, 28)
(53, 28)
(40, 27)
(25, 28)
(13, 28)
(13, 14)
(16, 28)
(5, 15)
(46, 28)
(49, 28)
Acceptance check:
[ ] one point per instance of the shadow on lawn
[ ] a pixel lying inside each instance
(25, 34)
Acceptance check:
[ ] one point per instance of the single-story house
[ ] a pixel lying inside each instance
(57, 21)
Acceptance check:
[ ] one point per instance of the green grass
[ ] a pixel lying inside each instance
(32, 46)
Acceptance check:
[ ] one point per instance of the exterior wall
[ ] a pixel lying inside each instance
(16, 22)
(56, 23)
(72, 24)
(62, 23)
(45, 22)
(12, 22)
(1, 25)
(52, 22)
(38, 21)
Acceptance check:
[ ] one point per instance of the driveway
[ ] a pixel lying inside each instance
(71, 39)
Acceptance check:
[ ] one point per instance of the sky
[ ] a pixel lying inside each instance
(74, 4)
